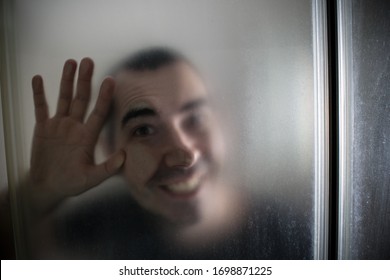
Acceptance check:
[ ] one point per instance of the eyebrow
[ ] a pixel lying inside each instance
(148, 112)
(194, 104)
(136, 113)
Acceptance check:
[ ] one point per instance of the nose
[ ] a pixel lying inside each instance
(180, 149)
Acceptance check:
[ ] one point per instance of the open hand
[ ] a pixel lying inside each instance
(62, 159)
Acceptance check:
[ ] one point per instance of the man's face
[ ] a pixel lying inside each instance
(173, 147)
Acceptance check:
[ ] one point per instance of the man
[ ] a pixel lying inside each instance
(162, 137)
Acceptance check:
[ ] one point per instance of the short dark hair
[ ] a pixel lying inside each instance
(150, 59)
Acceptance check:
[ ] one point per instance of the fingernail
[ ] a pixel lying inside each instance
(36, 82)
(85, 66)
(68, 68)
(107, 85)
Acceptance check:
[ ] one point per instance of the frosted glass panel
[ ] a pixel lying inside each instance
(254, 60)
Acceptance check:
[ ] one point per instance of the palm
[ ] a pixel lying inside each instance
(61, 156)
(62, 160)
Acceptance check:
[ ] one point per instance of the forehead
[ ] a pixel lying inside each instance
(166, 88)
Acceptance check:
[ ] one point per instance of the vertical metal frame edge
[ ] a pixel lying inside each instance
(321, 129)
(12, 121)
(344, 21)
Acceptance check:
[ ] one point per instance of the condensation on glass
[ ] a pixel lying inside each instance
(365, 129)
(265, 62)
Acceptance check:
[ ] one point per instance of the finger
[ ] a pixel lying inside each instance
(66, 88)
(99, 114)
(83, 90)
(103, 171)
(40, 104)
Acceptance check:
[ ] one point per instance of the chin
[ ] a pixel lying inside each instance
(186, 214)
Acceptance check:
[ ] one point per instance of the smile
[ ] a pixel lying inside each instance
(183, 188)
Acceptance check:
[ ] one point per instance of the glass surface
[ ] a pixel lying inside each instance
(256, 58)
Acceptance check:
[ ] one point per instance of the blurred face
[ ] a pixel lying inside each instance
(173, 148)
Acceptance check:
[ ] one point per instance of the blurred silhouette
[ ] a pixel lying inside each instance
(162, 138)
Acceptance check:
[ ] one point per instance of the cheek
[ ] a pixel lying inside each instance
(140, 165)
(213, 145)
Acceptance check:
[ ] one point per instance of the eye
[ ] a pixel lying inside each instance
(143, 131)
(195, 120)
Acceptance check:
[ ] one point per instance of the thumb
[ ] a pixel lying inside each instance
(108, 168)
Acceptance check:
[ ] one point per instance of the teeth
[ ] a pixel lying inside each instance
(183, 187)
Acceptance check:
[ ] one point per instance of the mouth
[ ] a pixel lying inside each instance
(183, 189)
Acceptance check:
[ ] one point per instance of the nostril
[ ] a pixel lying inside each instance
(189, 158)
(181, 158)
